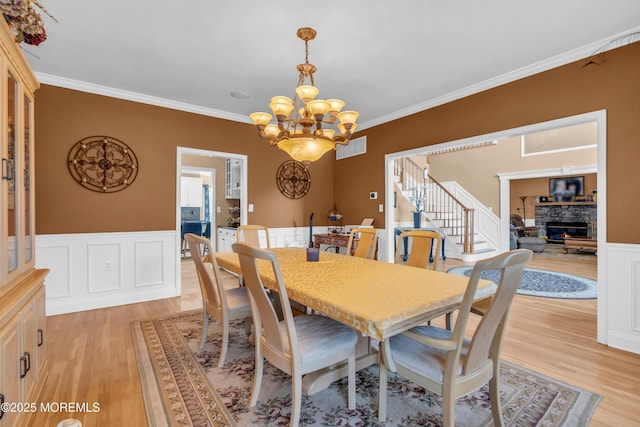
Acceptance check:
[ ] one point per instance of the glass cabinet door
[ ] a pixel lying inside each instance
(26, 177)
(10, 176)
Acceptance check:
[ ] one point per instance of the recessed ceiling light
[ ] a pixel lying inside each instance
(239, 95)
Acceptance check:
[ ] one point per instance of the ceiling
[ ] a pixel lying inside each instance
(385, 61)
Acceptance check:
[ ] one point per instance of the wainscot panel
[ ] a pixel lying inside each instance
(622, 290)
(97, 270)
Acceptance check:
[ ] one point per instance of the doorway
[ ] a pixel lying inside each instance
(192, 159)
(599, 117)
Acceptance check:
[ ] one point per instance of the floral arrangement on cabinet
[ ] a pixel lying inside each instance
(418, 198)
(25, 22)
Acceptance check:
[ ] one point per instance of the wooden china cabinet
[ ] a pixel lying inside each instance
(23, 363)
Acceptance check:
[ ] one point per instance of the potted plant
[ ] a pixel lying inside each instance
(419, 202)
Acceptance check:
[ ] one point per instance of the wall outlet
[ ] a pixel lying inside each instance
(373, 195)
(108, 266)
(380, 207)
(250, 207)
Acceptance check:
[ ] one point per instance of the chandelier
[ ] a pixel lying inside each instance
(300, 124)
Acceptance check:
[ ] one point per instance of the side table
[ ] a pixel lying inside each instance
(339, 241)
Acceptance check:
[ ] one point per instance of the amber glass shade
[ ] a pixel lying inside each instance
(272, 130)
(327, 133)
(281, 108)
(307, 93)
(343, 130)
(305, 149)
(336, 105)
(281, 99)
(348, 116)
(318, 107)
(260, 118)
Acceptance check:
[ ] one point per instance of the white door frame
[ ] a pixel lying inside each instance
(243, 197)
(600, 117)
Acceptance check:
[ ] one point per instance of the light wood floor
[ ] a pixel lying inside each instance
(91, 356)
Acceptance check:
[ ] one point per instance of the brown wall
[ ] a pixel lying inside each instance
(64, 116)
(565, 91)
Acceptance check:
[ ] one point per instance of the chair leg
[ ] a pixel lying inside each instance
(494, 395)
(382, 393)
(448, 408)
(296, 399)
(205, 329)
(225, 342)
(351, 366)
(257, 376)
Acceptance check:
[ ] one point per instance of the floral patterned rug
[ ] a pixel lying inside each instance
(183, 387)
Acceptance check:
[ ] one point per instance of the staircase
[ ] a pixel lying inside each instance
(444, 211)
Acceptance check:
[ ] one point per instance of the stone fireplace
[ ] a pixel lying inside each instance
(574, 219)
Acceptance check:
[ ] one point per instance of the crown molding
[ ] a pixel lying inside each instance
(583, 52)
(138, 97)
(587, 51)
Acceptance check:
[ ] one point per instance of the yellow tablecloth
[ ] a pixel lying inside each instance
(376, 298)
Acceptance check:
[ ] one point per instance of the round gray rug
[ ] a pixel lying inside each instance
(542, 283)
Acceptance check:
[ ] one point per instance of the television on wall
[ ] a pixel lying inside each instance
(566, 189)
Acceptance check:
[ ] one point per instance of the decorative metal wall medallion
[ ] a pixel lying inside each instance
(293, 179)
(103, 163)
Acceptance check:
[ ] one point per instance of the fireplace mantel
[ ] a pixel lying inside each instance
(567, 204)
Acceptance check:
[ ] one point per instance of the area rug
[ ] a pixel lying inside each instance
(182, 386)
(541, 283)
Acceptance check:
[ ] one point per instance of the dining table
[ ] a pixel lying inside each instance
(376, 298)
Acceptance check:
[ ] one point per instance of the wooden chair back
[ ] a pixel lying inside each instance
(432, 357)
(265, 316)
(422, 243)
(250, 234)
(367, 243)
(487, 338)
(208, 277)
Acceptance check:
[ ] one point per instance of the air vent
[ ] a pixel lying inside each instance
(355, 147)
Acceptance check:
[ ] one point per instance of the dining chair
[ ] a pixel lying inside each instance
(296, 345)
(207, 235)
(251, 234)
(224, 305)
(447, 363)
(422, 242)
(367, 243)
(192, 227)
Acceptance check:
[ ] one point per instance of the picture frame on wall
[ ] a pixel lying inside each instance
(566, 189)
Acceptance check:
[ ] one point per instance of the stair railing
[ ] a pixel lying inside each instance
(439, 202)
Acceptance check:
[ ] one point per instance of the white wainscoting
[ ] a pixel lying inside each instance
(621, 294)
(97, 270)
